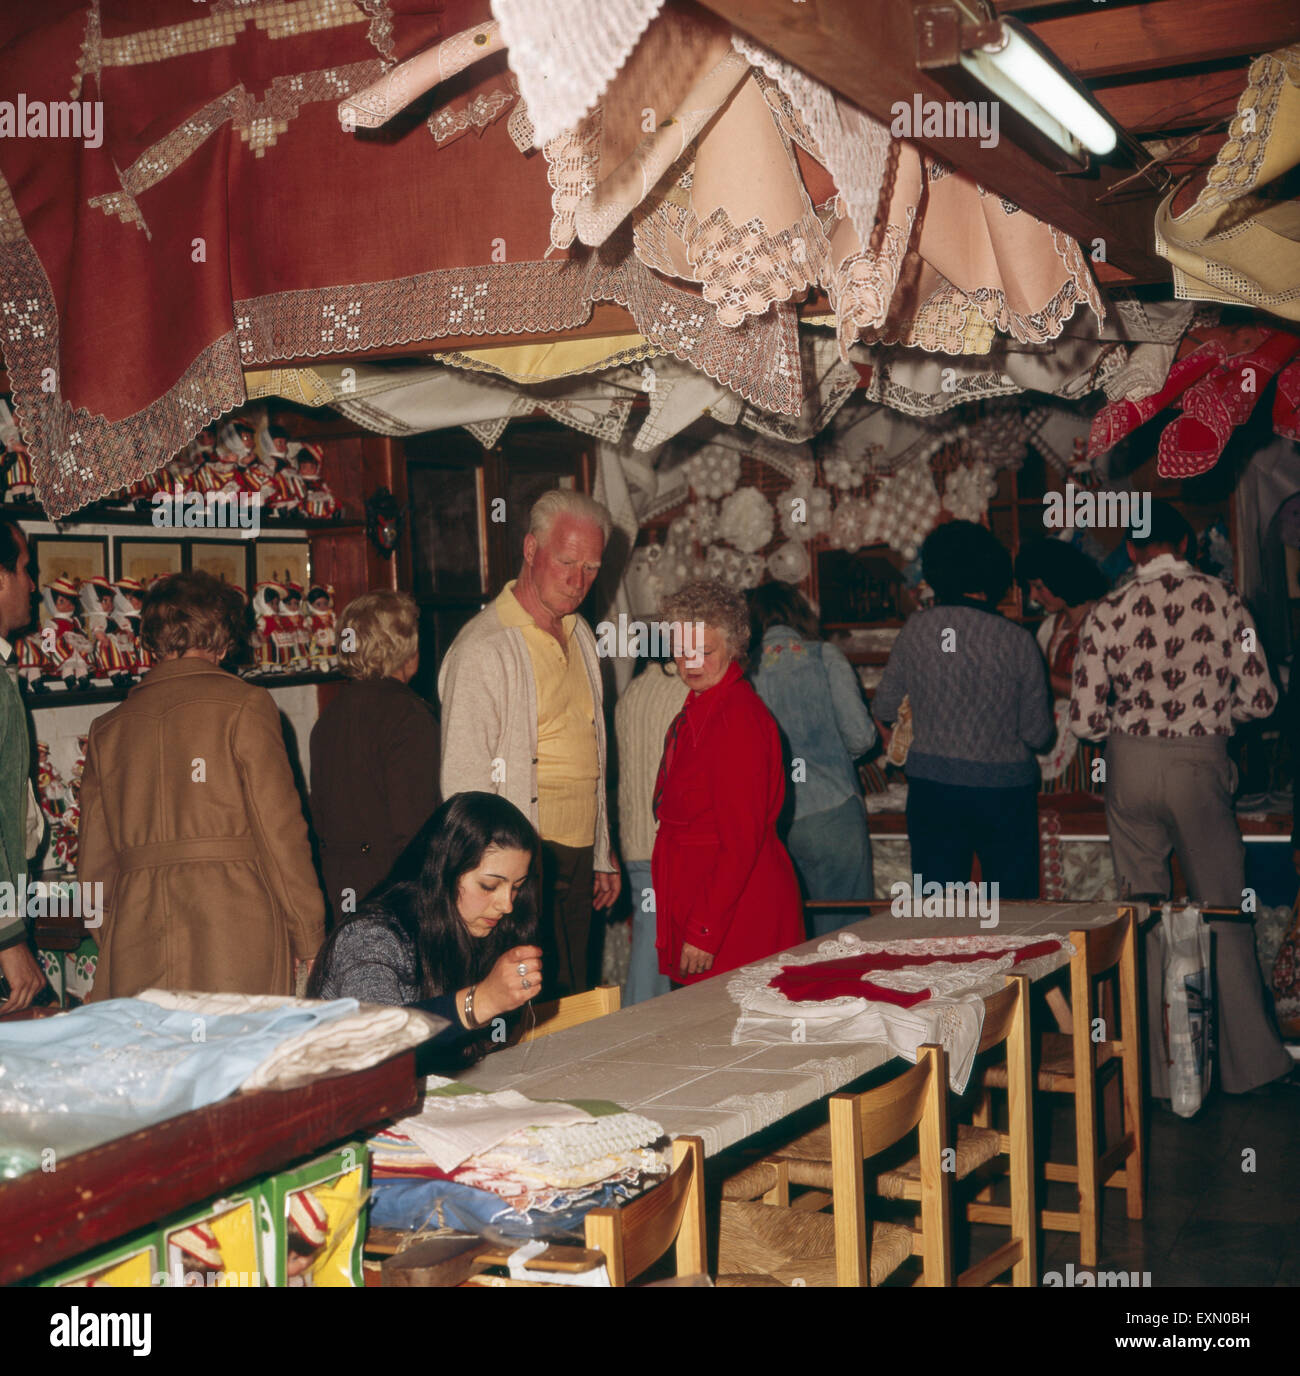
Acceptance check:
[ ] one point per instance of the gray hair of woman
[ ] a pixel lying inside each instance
(710, 602)
(378, 632)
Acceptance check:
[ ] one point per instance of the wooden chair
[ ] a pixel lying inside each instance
(764, 1245)
(861, 1126)
(1076, 1064)
(637, 1235)
(1006, 1022)
(809, 1160)
(570, 1012)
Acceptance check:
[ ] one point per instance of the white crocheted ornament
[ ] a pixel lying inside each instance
(845, 470)
(805, 511)
(702, 516)
(747, 520)
(848, 523)
(713, 471)
(967, 492)
(789, 563)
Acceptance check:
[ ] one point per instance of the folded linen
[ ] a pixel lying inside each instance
(952, 1016)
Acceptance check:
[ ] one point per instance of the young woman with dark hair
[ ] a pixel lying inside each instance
(451, 929)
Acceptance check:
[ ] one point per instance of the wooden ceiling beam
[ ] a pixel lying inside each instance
(1138, 38)
(867, 54)
(1189, 101)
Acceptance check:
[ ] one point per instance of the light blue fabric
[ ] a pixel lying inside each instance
(816, 697)
(107, 1069)
(832, 852)
(643, 978)
(411, 1205)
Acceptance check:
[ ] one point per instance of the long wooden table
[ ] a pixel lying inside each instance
(672, 1059)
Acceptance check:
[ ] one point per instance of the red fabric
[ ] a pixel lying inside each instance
(837, 979)
(722, 879)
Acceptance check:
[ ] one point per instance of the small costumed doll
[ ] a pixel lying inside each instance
(98, 597)
(322, 636)
(65, 644)
(306, 1229)
(18, 476)
(33, 665)
(270, 642)
(287, 493)
(294, 626)
(126, 613)
(318, 501)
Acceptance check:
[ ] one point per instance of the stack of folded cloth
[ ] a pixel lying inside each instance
(502, 1162)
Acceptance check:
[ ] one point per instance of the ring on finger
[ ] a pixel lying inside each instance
(526, 982)
(523, 969)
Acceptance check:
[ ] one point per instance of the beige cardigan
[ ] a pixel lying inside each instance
(489, 713)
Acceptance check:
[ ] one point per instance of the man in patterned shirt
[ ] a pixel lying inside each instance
(1166, 664)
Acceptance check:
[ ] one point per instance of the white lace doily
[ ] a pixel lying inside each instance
(953, 1016)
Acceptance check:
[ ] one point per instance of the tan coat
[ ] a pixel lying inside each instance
(190, 819)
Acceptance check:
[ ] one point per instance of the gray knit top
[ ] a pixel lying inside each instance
(981, 707)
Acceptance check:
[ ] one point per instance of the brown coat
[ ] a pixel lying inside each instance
(190, 818)
(374, 782)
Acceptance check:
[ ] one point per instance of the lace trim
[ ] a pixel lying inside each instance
(392, 92)
(449, 123)
(853, 146)
(1237, 167)
(222, 25)
(571, 164)
(614, 199)
(77, 457)
(968, 387)
(745, 269)
(566, 52)
(863, 284)
(380, 32)
(260, 123)
(90, 60)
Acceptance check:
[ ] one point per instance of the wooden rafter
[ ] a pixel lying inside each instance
(1189, 101)
(867, 54)
(1139, 38)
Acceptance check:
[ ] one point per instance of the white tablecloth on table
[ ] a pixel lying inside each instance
(674, 1060)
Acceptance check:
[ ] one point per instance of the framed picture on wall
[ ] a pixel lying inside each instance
(282, 561)
(145, 560)
(224, 559)
(68, 556)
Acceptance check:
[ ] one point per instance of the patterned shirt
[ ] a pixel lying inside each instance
(1177, 649)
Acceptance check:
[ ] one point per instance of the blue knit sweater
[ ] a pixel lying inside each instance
(978, 688)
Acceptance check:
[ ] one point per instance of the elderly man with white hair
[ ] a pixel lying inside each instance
(522, 716)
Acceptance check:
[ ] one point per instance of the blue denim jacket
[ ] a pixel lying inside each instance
(816, 697)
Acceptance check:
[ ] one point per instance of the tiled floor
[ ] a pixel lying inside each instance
(1223, 1198)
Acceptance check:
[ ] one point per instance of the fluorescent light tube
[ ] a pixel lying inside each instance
(1019, 74)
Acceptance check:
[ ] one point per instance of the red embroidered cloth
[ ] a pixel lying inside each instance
(837, 979)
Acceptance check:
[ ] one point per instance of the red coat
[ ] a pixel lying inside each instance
(722, 879)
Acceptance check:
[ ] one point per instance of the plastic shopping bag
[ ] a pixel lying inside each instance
(1187, 1007)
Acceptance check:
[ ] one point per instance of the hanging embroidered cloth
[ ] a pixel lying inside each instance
(1239, 242)
(203, 211)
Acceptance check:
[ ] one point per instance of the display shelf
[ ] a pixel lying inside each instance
(95, 1197)
(91, 697)
(128, 516)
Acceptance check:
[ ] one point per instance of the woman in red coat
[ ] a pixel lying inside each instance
(725, 889)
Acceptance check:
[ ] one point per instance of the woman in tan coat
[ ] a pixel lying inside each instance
(190, 818)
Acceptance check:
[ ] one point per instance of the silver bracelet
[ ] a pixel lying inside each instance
(469, 1007)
